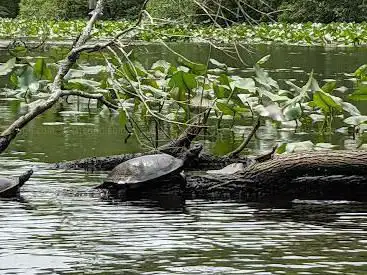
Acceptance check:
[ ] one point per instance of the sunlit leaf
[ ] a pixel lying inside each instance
(325, 146)
(93, 70)
(161, 65)
(264, 79)
(74, 74)
(292, 112)
(27, 80)
(299, 146)
(218, 64)
(82, 84)
(263, 60)
(272, 111)
(244, 84)
(350, 108)
(355, 120)
(8, 66)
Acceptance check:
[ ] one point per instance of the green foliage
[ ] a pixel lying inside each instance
(325, 11)
(39, 8)
(174, 9)
(176, 93)
(73, 9)
(309, 33)
(9, 8)
(227, 12)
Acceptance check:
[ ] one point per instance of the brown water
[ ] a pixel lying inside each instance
(61, 226)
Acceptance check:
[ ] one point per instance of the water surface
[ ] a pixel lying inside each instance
(62, 226)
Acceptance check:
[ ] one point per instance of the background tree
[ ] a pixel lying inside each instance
(9, 8)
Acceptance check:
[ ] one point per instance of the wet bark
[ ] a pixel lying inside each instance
(338, 175)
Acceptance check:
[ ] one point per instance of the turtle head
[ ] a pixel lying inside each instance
(195, 149)
(192, 153)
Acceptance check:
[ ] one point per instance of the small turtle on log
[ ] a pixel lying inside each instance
(9, 187)
(150, 171)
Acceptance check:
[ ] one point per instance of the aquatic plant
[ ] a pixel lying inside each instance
(283, 33)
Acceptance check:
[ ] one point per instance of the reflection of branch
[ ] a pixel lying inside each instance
(98, 97)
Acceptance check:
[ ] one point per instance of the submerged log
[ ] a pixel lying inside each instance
(337, 175)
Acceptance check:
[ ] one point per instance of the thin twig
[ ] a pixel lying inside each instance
(246, 141)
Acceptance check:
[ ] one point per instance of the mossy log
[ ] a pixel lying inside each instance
(322, 175)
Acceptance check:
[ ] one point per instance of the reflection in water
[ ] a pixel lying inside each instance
(70, 131)
(62, 226)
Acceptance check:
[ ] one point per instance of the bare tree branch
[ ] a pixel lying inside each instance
(11, 132)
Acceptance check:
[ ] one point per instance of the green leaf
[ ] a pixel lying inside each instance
(221, 91)
(14, 80)
(325, 101)
(82, 84)
(225, 108)
(350, 108)
(361, 72)
(133, 71)
(195, 68)
(178, 94)
(292, 112)
(360, 94)
(264, 79)
(27, 81)
(8, 66)
(282, 148)
(329, 87)
(271, 96)
(355, 120)
(218, 64)
(161, 65)
(183, 80)
(247, 84)
(93, 70)
(74, 74)
(263, 60)
(299, 146)
(224, 80)
(249, 100)
(41, 70)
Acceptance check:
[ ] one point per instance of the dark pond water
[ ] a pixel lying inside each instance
(62, 227)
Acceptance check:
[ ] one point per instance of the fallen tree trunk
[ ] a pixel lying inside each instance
(338, 175)
(204, 162)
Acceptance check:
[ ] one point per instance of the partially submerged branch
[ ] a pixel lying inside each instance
(246, 140)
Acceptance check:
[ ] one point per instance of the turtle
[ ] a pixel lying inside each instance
(149, 169)
(9, 187)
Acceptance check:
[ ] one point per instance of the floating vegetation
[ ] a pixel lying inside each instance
(283, 33)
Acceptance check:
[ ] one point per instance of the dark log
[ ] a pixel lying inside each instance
(336, 175)
(204, 162)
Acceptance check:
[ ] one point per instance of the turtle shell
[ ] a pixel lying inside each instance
(144, 169)
(8, 187)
